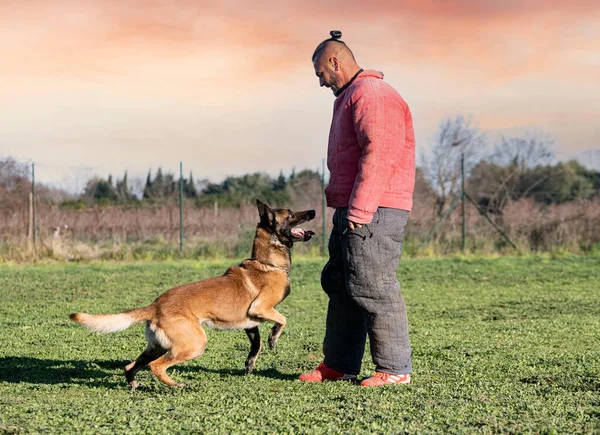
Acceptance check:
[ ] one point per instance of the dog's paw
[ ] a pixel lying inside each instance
(139, 387)
(273, 342)
(250, 365)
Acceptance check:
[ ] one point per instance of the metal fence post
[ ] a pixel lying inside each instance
(181, 207)
(463, 200)
(463, 197)
(34, 210)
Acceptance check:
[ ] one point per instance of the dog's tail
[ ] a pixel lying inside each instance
(106, 323)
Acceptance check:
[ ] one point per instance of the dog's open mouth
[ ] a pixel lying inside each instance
(301, 234)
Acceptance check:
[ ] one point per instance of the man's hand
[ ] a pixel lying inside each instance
(353, 225)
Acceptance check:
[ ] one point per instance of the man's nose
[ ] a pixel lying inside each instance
(321, 82)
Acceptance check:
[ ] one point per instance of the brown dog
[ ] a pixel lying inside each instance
(242, 298)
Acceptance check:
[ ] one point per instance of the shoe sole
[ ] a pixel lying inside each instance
(344, 378)
(351, 379)
(385, 385)
(398, 381)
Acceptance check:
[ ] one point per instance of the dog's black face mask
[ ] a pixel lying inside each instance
(284, 223)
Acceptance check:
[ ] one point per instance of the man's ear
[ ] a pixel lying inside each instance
(335, 63)
(266, 214)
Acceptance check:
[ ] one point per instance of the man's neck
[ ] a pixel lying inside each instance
(350, 73)
(348, 82)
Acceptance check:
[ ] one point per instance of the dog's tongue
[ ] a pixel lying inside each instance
(297, 232)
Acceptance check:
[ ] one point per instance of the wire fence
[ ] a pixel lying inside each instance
(91, 218)
(51, 220)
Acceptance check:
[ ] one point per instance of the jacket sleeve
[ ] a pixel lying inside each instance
(380, 128)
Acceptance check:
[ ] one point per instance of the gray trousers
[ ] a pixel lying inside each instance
(364, 294)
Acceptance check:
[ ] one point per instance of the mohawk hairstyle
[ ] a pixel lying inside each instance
(335, 37)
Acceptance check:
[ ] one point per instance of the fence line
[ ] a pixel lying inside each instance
(35, 224)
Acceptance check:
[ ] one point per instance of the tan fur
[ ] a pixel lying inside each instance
(242, 298)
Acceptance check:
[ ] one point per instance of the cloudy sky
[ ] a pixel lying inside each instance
(227, 87)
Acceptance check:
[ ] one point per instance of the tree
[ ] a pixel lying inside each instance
(547, 184)
(158, 185)
(236, 191)
(100, 190)
(485, 185)
(170, 186)
(279, 183)
(14, 184)
(513, 165)
(12, 174)
(593, 177)
(122, 189)
(149, 187)
(561, 183)
(163, 185)
(305, 188)
(442, 166)
(524, 152)
(189, 188)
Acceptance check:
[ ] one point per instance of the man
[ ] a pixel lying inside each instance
(371, 159)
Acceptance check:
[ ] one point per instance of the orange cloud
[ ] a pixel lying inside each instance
(74, 38)
(136, 74)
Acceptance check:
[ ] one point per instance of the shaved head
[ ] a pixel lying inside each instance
(334, 63)
(333, 47)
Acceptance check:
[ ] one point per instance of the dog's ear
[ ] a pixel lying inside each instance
(267, 216)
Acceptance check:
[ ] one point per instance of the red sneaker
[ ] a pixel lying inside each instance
(324, 373)
(379, 379)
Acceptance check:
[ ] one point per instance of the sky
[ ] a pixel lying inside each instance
(92, 87)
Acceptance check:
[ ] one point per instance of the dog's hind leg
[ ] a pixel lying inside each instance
(150, 354)
(255, 345)
(158, 344)
(188, 341)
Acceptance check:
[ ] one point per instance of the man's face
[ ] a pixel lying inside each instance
(327, 75)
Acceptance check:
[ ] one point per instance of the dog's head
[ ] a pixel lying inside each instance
(284, 223)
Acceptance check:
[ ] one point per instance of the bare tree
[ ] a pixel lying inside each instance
(441, 166)
(14, 183)
(533, 149)
(517, 155)
(12, 173)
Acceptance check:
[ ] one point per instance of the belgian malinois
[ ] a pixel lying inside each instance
(242, 298)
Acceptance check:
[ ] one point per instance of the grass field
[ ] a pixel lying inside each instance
(506, 345)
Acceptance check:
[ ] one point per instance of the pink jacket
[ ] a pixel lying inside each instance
(371, 152)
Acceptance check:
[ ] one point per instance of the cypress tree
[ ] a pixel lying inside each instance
(148, 188)
(158, 188)
(123, 189)
(279, 183)
(190, 187)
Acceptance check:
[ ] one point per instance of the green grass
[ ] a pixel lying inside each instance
(499, 345)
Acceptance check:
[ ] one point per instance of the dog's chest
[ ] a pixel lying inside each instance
(287, 290)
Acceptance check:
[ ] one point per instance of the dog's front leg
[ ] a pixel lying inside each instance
(275, 333)
(272, 315)
(280, 321)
